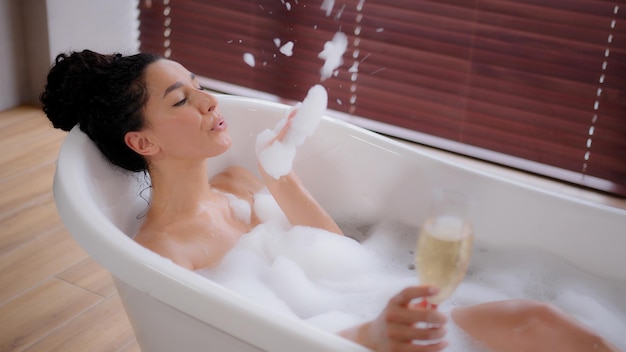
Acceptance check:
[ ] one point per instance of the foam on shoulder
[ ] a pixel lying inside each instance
(330, 280)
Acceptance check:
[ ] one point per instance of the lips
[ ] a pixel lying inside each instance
(220, 124)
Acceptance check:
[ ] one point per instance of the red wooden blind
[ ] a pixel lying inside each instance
(533, 84)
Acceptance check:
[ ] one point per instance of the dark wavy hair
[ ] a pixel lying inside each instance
(104, 95)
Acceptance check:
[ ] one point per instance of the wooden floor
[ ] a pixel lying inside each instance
(53, 297)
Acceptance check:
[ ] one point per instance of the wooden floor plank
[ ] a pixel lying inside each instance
(20, 114)
(29, 223)
(24, 129)
(36, 313)
(52, 296)
(18, 160)
(104, 328)
(91, 276)
(18, 192)
(36, 261)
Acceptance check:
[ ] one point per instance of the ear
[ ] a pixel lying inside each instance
(140, 143)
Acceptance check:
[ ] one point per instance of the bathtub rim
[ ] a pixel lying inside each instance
(414, 148)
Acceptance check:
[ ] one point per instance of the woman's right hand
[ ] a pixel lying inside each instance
(398, 326)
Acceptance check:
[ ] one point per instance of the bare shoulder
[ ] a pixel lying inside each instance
(238, 181)
(164, 246)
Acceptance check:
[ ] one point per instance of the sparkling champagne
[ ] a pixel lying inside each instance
(444, 248)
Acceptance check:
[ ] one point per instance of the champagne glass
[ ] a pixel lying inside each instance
(444, 245)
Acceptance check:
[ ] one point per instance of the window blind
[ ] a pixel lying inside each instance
(532, 84)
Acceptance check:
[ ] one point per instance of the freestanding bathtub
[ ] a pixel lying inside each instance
(358, 176)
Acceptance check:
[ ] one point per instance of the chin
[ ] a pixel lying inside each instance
(224, 145)
(228, 140)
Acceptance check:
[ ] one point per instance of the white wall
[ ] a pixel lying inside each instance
(103, 26)
(36, 44)
(34, 32)
(13, 85)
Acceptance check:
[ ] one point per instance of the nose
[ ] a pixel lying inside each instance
(207, 102)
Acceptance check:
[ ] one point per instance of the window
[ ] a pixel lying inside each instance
(533, 84)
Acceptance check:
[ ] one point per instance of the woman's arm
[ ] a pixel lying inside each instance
(293, 198)
(297, 203)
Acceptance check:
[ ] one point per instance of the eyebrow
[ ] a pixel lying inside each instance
(176, 85)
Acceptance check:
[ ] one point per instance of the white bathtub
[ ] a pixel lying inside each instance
(358, 176)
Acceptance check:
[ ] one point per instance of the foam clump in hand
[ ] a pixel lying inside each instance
(276, 149)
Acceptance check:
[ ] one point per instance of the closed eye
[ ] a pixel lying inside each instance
(181, 102)
(184, 100)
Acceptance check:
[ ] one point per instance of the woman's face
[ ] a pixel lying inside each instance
(181, 119)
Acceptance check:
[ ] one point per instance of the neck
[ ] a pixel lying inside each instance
(178, 188)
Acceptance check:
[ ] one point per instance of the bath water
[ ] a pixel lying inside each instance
(334, 282)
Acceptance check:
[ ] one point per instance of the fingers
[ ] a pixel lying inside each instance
(418, 343)
(413, 318)
(415, 312)
(293, 111)
(429, 348)
(407, 333)
(399, 309)
(409, 327)
(285, 128)
(436, 347)
(410, 293)
(409, 315)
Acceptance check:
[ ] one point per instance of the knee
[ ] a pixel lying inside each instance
(540, 311)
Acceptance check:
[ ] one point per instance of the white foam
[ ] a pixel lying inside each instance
(248, 58)
(333, 54)
(241, 209)
(267, 210)
(277, 157)
(327, 6)
(308, 116)
(334, 282)
(287, 49)
(316, 275)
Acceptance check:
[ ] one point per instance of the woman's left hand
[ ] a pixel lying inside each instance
(404, 326)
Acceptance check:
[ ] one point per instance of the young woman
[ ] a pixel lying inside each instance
(150, 114)
(146, 113)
